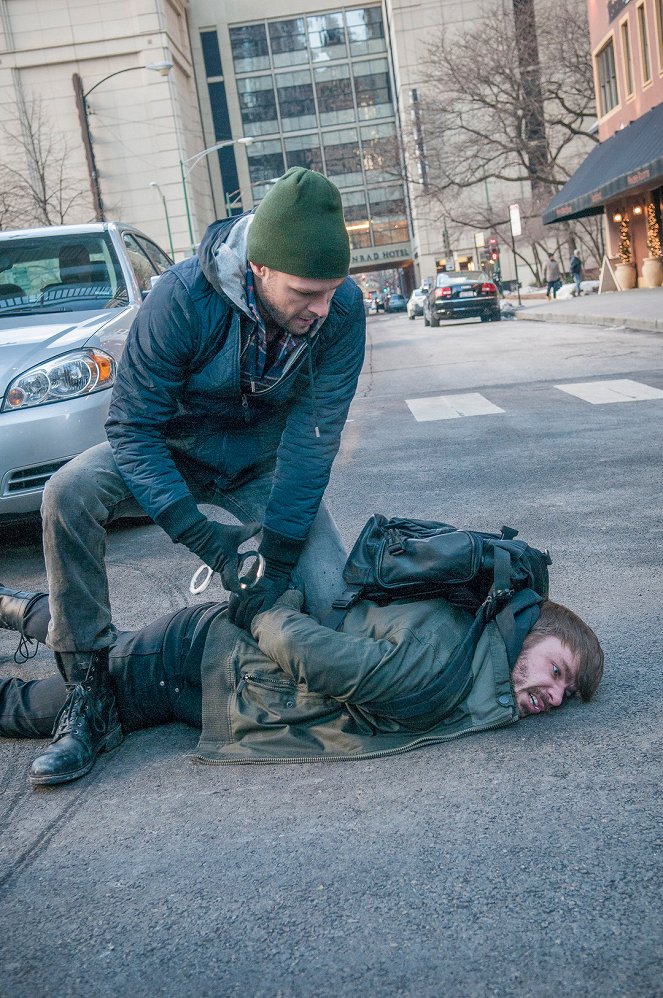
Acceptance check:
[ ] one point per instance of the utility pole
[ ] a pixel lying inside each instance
(81, 105)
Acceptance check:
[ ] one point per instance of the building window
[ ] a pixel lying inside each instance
(288, 42)
(627, 58)
(334, 92)
(326, 37)
(380, 152)
(249, 48)
(388, 218)
(219, 107)
(373, 88)
(645, 58)
(211, 54)
(265, 162)
(303, 150)
(342, 158)
(257, 103)
(658, 4)
(365, 31)
(607, 79)
(356, 219)
(296, 102)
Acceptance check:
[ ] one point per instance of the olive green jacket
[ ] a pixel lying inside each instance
(297, 691)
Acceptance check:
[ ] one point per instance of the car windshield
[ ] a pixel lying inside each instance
(68, 272)
(453, 276)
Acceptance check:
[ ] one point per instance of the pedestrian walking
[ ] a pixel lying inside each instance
(233, 389)
(576, 271)
(553, 277)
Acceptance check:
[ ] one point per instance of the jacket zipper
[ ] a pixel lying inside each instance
(265, 391)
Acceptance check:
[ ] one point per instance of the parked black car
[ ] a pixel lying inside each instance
(396, 303)
(459, 294)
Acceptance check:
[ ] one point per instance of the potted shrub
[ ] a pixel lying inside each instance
(652, 265)
(624, 270)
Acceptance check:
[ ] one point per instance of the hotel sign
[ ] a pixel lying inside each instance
(389, 256)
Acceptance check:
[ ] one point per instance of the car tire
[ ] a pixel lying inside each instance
(426, 322)
(434, 322)
(497, 317)
(485, 318)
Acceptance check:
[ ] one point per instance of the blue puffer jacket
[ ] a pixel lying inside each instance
(178, 393)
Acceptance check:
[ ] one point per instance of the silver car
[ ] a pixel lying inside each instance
(415, 305)
(68, 295)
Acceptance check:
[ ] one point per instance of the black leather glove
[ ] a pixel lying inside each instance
(262, 596)
(216, 544)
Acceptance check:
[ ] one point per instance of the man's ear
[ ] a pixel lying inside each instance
(258, 269)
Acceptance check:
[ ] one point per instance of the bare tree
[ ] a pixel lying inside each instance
(38, 185)
(504, 102)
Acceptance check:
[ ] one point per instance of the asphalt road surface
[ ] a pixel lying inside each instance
(525, 861)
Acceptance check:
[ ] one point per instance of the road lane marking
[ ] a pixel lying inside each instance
(619, 390)
(451, 407)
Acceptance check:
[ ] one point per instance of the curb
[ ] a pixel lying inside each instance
(644, 324)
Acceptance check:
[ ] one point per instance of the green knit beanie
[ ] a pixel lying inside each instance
(298, 228)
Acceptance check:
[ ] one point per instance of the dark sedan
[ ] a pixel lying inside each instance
(460, 294)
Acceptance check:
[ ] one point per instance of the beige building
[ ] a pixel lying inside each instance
(332, 86)
(142, 123)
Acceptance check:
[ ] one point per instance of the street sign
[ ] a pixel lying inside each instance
(514, 214)
(479, 240)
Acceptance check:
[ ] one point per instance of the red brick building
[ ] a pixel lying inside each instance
(623, 176)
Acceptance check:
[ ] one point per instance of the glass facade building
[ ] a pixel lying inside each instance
(315, 91)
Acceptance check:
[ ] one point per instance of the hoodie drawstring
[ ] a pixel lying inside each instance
(311, 382)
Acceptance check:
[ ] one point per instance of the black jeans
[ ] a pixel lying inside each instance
(155, 674)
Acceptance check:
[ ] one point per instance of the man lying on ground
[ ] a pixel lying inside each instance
(296, 690)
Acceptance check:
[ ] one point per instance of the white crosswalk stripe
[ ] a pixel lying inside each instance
(451, 407)
(474, 404)
(619, 390)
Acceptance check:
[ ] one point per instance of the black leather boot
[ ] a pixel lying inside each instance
(14, 605)
(87, 724)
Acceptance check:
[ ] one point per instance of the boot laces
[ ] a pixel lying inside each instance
(27, 649)
(80, 703)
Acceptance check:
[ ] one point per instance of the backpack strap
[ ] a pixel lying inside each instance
(340, 606)
(516, 620)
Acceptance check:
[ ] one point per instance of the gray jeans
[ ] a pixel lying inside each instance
(88, 493)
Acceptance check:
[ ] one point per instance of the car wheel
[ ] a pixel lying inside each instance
(485, 318)
(426, 322)
(434, 322)
(410, 317)
(497, 317)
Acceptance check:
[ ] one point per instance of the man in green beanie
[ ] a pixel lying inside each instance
(233, 389)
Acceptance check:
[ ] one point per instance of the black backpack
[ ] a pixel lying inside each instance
(493, 576)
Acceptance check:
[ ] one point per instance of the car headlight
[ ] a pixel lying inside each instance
(78, 373)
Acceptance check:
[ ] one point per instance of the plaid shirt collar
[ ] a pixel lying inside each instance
(262, 363)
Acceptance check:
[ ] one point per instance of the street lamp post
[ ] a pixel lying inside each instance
(154, 184)
(163, 68)
(230, 204)
(187, 165)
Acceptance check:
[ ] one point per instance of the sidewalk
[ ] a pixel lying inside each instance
(637, 309)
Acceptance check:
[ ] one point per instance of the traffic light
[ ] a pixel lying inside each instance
(494, 249)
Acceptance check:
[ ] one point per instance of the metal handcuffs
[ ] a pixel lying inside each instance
(248, 576)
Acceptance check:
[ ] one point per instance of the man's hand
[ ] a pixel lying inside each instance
(260, 597)
(216, 544)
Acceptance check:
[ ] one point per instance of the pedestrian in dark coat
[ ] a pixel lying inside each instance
(233, 389)
(576, 271)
